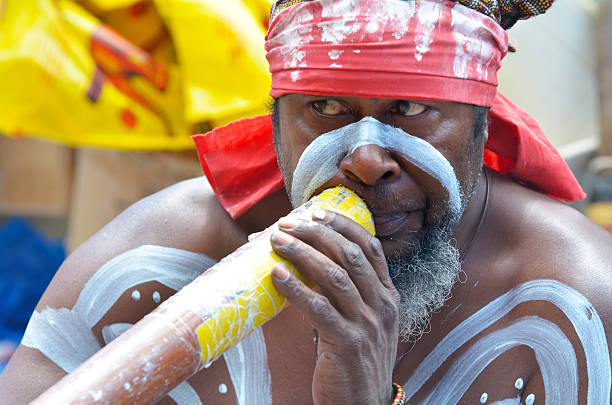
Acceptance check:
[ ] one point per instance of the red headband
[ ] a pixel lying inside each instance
(419, 49)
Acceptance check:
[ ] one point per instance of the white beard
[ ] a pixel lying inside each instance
(424, 280)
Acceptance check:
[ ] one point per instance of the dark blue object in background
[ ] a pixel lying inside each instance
(28, 261)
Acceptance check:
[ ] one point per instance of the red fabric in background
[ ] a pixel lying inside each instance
(240, 161)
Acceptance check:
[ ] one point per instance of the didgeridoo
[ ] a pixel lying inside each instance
(196, 325)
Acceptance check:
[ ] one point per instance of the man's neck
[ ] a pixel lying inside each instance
(470, 222)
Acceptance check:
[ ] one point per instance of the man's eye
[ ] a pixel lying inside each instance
(330, 107)
(408, 109)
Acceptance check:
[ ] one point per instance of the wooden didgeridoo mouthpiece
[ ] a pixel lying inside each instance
(196, 325)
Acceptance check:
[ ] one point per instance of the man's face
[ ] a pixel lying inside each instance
(403, 199)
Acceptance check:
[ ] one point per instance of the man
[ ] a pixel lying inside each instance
(477, 289)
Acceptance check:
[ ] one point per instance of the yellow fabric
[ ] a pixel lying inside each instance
(113, 4)
(66, 77)
(221, 48)
(601, 213)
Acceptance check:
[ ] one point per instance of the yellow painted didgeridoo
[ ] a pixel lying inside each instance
(196, 325)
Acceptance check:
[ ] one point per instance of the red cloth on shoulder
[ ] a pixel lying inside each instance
(518, 148)
(239, 159)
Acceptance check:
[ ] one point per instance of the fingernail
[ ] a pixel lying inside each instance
(288, 223)
(280, 272)
(320, 215)
(281, 238)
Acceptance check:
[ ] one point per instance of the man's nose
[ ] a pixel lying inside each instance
(370, 164)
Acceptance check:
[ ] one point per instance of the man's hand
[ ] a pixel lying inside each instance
(355, 309)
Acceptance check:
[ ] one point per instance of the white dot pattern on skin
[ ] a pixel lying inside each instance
(223, 389)
(484, 397)
(518, 384)
(156, 297)
(136, 295)
(530, 399)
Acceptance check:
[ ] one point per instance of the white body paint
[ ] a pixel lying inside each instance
(321, 158)
(65, 336)
(156, 297)
(509, 401)
(554, 353)
(576, 308)
(247, 364)
(518, 384)
(136, 295)
(62, 335)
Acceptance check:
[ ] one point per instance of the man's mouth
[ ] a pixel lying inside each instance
(390, 224)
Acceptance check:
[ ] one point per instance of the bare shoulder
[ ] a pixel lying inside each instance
(564, 273)
(554, 240)
(185, 216)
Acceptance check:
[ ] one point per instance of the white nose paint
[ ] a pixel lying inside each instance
(321, 159)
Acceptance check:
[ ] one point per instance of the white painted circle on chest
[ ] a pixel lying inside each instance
(156, 297)
(518, 384)
(136, 295)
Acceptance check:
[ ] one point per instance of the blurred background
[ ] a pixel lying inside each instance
(98, 99)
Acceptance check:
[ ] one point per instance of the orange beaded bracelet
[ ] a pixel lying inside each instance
(400, 395)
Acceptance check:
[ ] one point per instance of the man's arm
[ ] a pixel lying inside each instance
(185, 216)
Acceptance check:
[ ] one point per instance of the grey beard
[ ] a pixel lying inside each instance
(424, 279)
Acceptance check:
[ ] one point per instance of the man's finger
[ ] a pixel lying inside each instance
(317, 308)
(356, 233)
(344, 254)
(334, 281)
(325, 238)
